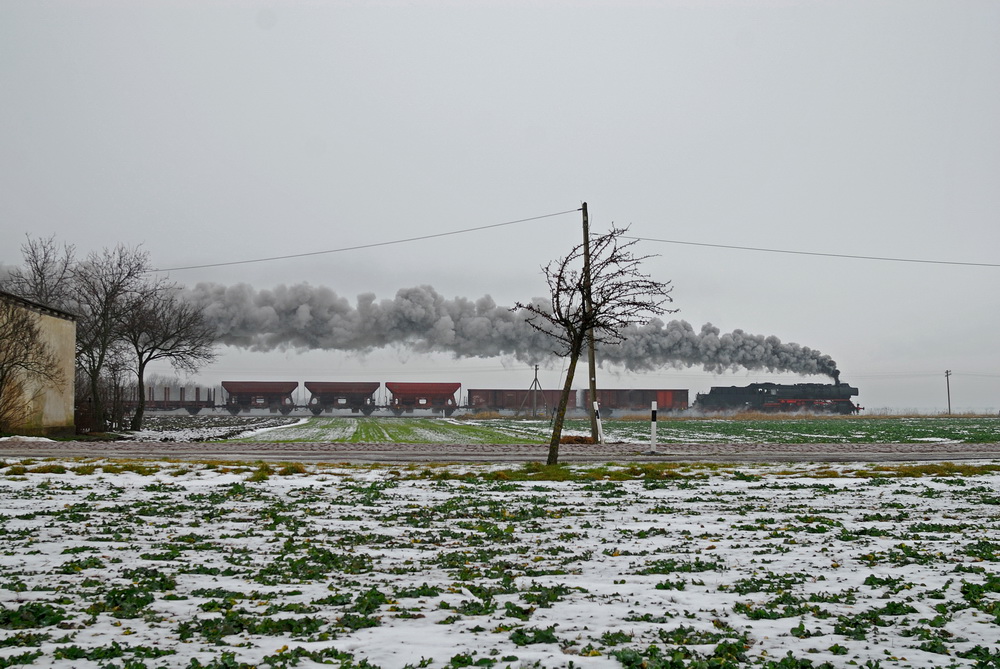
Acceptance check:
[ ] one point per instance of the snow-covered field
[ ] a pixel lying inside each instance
(156, 564)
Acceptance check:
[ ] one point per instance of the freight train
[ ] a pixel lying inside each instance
(276, 396)
(437, 398)
(399, 398)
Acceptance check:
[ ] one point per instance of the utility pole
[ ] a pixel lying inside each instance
(534, 389)
(947, 381)
(588, 306)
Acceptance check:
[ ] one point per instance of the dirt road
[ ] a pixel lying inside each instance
(443, 453)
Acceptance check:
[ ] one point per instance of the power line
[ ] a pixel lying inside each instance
(816, 253)
(923, 375)
(368, 246)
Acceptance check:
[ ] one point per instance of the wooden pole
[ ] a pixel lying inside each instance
(588, 306)
(947, 381)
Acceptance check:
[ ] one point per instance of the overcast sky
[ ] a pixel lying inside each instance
(214, 132)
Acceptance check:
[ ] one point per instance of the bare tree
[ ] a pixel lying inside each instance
(27, 364)
(104, 287)
(158, 325)
(620, 295)
(47, 274)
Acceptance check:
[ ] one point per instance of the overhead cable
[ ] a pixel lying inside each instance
(817, 253)
(367, 246)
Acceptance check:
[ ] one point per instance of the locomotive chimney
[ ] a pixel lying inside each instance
(836, 377)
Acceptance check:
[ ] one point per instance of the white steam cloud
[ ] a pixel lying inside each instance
(310, 317)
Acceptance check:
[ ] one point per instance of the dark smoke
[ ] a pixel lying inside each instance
(308, 317)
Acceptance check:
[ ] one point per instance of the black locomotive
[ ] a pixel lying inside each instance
(774, 397)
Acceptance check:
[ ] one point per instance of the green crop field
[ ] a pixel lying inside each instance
(123, 564)
(969, 430)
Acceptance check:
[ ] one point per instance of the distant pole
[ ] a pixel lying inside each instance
(534, 395)
(588, 306)
(534, 389)
(947, 381)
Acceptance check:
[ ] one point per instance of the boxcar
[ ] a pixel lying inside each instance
(489, 399)
(639, 399)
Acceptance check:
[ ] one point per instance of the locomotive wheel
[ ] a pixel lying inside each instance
(285, 410)
(367, 410)
(193, 410)
(316, 411)
(233, 410)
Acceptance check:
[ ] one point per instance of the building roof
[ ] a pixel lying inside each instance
(37, 306)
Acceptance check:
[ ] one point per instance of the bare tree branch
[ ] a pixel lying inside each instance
(103, 287)
(621, 296)
(158, 325)
(47, 274)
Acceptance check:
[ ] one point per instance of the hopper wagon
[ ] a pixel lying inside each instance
(359, 397)
(437, 397)
(275, 396)
(202, 398)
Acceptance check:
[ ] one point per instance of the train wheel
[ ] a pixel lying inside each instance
(233, 410)
(316, 411)
(193, 410)
(367, 410)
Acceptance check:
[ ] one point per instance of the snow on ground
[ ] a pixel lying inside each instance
(126, 564)
(181, 427)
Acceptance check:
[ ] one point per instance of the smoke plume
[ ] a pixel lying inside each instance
(309, 317)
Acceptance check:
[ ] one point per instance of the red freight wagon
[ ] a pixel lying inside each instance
(330, 395)
(491, 399)
(639, 399)
(437, 397)
(272, 395)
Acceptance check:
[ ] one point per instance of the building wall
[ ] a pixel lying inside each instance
(52, 410)
(51, 407)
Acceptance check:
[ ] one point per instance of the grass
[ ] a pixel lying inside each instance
(393, 430)
(754, 429)
(643, 565)
(648, 472)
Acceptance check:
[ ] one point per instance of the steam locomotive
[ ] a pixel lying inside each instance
(773, 397)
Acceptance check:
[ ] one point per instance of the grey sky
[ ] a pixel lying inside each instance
(220, 131)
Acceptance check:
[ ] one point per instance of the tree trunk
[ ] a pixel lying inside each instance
(140, 407)
(563, 400)
(100, 417)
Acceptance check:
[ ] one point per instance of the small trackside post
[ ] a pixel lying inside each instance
(600, 426)
(652, 429)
